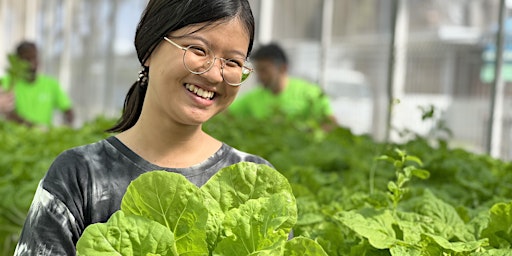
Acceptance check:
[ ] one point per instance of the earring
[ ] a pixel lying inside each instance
(143, 77)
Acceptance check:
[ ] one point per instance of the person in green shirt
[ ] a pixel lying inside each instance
(37, 96)
(279, 93)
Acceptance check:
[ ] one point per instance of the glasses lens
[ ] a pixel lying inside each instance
(236, 71)
(198, 59)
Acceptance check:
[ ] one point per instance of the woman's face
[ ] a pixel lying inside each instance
(174, 93)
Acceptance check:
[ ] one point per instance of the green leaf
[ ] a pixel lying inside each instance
(499, 231)
(173, 201)
(258, 225)
(234, 185)
(214, 222)
(126, 235)
(456, 246)
(492, 252)
(376, 226)
(299, 246)
(420, 173)
(309, 219)
(412, 225)
(392, 186)
(401, 153)
(445, 220)
(402, 250)
(17, 70)
(414, 159)
(386, 158)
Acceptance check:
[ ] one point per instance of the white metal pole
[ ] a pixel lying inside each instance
(327, 17)
(397, 59)
(497, 97)
(266, 21)
(49, 11)
(18, 21)
(4, 5)
(65, 58)
(31, 14)
(402, 31)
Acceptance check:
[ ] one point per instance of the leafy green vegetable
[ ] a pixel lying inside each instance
(17, 70)
(377, 227)
(256, 226)
(499, 230)
(233, 191)
(126, 235)
(244, 209)
(299, 246)
(171, 200)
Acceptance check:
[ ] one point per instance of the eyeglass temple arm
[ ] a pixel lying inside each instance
(173, 43)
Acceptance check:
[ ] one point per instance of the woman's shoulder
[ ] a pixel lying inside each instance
(86, 151)
(75, 160)
(233, 156)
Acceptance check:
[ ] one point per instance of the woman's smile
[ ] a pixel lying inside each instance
(200, 95)
(203, 93)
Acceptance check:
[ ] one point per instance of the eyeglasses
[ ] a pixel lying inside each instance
(200, 59)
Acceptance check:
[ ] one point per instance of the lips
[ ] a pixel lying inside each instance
(200, 92)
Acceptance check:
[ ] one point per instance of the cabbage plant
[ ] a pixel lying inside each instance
(244, 209)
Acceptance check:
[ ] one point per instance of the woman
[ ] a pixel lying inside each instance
(193, 56)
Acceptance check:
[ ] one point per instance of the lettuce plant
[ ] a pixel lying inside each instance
(17, 70)
(244, 209)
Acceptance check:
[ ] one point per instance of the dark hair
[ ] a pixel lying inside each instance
(23, 46)
(272, 52)
(164, 16)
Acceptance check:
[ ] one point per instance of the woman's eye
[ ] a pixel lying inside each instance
(234, 63)
(198, 50)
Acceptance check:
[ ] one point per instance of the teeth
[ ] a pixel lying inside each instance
(199, 92)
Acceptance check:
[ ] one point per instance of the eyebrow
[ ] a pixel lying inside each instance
(208, 43)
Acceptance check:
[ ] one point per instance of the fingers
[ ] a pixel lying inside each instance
(6, 102)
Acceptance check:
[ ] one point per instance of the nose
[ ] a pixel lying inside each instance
(214, 74)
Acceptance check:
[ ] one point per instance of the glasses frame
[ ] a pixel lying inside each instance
(223, 63)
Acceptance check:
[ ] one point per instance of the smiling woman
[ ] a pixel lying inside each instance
(161, 124)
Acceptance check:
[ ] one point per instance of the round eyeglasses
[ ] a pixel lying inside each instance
(200, 59)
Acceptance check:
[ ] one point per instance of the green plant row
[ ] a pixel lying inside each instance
(26, 155)
(355, 195)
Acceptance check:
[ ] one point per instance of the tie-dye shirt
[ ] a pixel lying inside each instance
(85, 185)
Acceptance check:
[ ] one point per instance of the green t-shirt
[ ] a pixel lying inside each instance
(35, 102)
(300, 99)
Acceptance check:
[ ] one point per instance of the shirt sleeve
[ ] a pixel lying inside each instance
(320, 101)
(49, 229)
(56, 218)
(63, 102)
(325, 105)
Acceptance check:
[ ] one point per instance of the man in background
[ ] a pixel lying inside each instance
(36, 96)
(279, 93)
